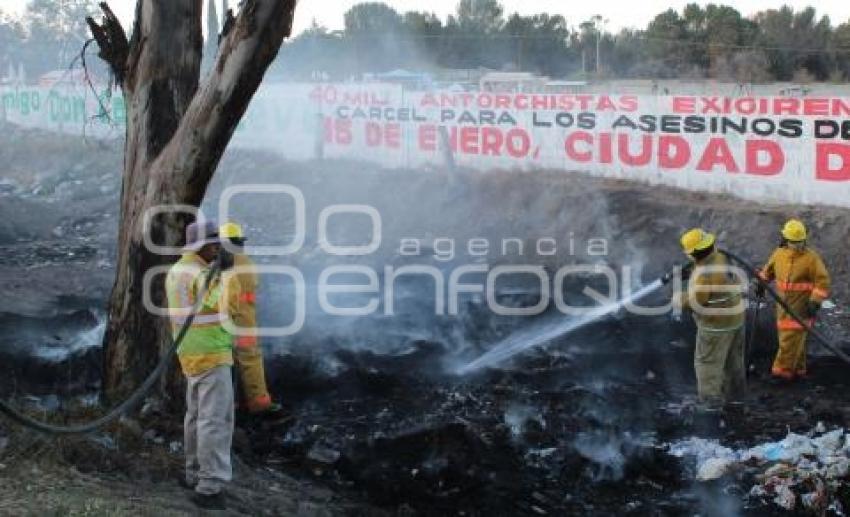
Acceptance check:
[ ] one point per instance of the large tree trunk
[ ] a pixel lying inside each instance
(176, 135)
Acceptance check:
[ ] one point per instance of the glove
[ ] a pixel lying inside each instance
(812, 308)
(274, 413)
(684, 273)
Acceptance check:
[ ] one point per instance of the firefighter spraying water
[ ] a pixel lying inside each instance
(407, 332)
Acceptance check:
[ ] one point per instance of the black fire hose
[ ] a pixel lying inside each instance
(751, 336)
(781, 301)
(136, 397)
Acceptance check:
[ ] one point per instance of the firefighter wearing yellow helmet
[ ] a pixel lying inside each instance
(803, 282)
(242, 282)
(713, 294)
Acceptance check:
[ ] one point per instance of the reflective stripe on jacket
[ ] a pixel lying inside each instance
(206, 344)
(801, 276)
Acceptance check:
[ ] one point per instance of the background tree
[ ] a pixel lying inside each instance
(48, 36)
(538, 43)
(370, 18)
(374, 31)
(480, 16)
(725, 33)
(474, 32)
(669, 45)
(745, 66)
(592, 34)
(420, 23)
(710, 41)
(60, 23)
(11, 33)
(840, 47)
(626, 53)
(794, 41)
(314, 54)
(177, 130)
(425, 31)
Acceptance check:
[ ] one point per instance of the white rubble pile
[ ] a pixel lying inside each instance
(800, 471)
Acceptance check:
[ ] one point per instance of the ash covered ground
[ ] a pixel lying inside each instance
(577, 426)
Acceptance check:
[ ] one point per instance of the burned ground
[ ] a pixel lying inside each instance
(577, 426)
(573, 430)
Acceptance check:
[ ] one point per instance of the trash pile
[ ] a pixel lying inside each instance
(800, 472)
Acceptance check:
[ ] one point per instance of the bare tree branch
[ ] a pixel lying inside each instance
(112, 40)
(243, 57)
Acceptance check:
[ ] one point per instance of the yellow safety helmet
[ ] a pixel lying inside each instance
(696, 240)
(230, 231)
(794, 230)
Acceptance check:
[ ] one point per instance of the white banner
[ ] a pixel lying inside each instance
(776, 149)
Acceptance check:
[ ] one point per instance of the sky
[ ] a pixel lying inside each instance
(619, 13)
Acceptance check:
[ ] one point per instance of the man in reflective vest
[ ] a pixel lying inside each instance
(206, 357)
(242, 285)
(714, 296)
(803, 282)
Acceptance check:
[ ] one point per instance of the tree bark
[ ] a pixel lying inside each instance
(176, 134)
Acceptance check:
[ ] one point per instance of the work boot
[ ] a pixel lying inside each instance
(272, 409)
(273, 413)
(776, 380)
(185, 483)
(209, 501)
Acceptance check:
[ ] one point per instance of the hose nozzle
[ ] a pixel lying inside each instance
(683, 271)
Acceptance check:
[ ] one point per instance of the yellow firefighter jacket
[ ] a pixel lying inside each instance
(801, 276)
(207, 344)
(714, 295)
(242, 289)
(242, 281)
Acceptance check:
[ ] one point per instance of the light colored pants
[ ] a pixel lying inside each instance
(719, 364)
(208, 429)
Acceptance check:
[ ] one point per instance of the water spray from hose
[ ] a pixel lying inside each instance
(531, 338)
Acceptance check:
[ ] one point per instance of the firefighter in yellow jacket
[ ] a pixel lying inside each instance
(714, 296)
(242, 283)
(206, 357)
(803, 281)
